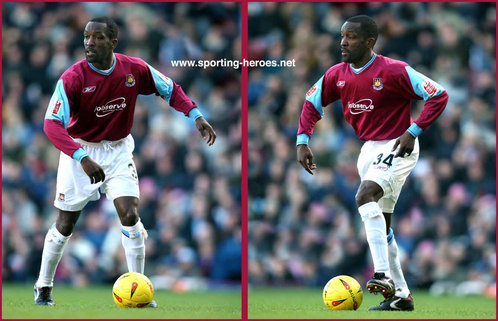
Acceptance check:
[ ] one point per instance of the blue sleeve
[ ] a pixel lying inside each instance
(195, 113)
(164, 85)
(414, 130)
(423, 86)
(79, 154)
(58, 107)
(302, 139)
(314, 96)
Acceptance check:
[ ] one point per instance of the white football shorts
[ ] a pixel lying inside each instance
(377, 163)
(74, 189)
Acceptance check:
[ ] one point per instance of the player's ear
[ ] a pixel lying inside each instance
(114, 43)
(370, 43)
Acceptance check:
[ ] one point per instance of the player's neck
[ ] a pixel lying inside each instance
(364, 61)
(107, 65)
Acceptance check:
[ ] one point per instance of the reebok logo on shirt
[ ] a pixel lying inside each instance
(89, 89)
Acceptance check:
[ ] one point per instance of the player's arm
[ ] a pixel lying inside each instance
(321, 94)
(176, 98)
(418, 86)
(55, 127)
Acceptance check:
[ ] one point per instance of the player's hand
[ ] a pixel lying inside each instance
(207, 132)
(406, 144)
(93, 170)
(305, 158)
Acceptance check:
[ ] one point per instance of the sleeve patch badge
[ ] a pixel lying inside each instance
(166, 79)
(130, 80)
(429, 88)
(57, 106)
(312, 90)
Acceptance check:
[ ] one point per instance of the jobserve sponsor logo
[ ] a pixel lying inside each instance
(110, 107)
(361, 106)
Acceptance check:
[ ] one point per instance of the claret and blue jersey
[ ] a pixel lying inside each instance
(96, 105)
(376, 99)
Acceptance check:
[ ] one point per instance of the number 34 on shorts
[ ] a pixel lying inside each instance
(377, 161)
(388, 160)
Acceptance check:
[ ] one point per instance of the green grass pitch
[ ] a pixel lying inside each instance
(97, 303)
(306, 303)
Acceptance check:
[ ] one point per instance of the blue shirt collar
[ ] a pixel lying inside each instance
(357, 71)
(105, 72)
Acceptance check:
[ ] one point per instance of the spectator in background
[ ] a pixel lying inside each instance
(299, 236)
(170, 199)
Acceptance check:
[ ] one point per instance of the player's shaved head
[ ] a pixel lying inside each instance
(368, 27)
(111, 29)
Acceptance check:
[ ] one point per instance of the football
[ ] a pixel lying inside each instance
(132, 290)
(342, 293)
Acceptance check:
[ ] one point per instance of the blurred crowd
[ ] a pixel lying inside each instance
(305, 229)
(190, 193)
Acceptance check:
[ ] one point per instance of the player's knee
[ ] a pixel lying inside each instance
(368, 192)
(66, 221)
(65, 227)
(364, 196)
(130, 216)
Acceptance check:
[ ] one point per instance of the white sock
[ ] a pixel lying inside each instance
(402, 290)
(53, 248)
(133, 240)
(375, 227)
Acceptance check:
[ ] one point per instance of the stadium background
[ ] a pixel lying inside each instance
(190, 193)
(305, 229)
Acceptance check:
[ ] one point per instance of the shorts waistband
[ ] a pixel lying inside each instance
(102, 143)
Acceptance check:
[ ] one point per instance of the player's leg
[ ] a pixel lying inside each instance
(73, 192)
(402, 300)
(133, 232)
(55, 242)
(122, 188)
(367, 197)
(394, 262)
(133, 235)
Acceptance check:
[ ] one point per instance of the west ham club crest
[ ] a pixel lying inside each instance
(130, 80)
(377, 84)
